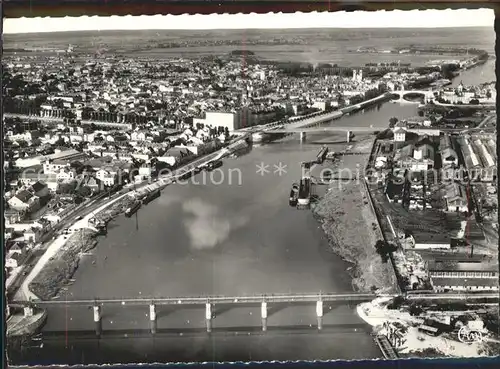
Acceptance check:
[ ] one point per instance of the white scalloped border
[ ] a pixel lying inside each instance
(241, 21)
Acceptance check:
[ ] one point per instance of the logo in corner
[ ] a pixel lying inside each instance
(466, 335)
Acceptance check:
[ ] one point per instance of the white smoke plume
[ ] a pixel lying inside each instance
(206, 226)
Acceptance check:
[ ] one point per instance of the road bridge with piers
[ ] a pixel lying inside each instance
(337, 129)
(209, 302)
(370, 130)
(428, 95)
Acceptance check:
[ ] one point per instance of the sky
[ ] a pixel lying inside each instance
(358, 19)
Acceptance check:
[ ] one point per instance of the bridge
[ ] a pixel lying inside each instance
(338, 129)
(428, 95)
(208, 301)
(370, 130)
(335, 129)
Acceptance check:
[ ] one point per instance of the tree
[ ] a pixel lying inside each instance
(420, 113)
(392, 122)
(60, 142)
(66, 187)
(384, 249)
(83, 191)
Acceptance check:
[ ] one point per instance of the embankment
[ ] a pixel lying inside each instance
(352, 228)
(115, 209)
(61, 267)
(20, 326)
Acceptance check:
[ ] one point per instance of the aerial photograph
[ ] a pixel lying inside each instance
(251, 187)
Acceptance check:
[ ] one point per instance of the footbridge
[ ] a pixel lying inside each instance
(208, 302)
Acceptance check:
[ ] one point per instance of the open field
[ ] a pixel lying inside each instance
(305, 45)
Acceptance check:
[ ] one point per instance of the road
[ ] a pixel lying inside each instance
(201, 300)
(326, 129)
(484, 124)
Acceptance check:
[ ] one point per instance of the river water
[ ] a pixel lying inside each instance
(232, 234)
(480, 74)
(238, 237)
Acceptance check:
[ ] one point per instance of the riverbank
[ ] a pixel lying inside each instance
(350, 226)
(58, 271)
(60, 268)
(57, 276)
(24, 292)
(19, 325)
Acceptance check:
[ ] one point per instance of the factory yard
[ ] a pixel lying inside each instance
(411, 341)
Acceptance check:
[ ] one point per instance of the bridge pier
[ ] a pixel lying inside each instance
(263, 314)
(152, 318)
(28, 311)
(319, 314)
(208, 317)
(302, 137)
(97, 320)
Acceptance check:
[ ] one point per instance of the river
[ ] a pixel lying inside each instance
(235, 234)
(238, 237)
(480, 74)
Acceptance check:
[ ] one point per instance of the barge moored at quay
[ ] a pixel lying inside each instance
(133, 208)
(151, 196)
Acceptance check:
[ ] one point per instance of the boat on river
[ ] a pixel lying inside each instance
(132, 209)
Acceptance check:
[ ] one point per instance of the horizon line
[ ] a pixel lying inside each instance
(239, 29)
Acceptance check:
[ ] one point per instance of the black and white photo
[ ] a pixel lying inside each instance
(250, 187)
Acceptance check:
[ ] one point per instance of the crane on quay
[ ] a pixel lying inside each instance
(303, 191)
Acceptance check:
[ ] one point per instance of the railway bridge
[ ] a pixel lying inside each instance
(209, 302)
